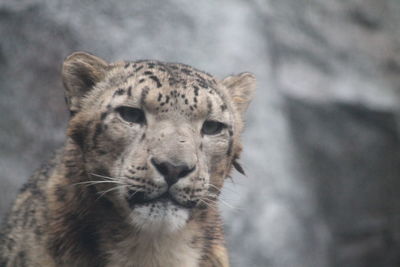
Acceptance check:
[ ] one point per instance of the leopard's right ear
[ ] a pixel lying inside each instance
(241, 88)
(80, 72)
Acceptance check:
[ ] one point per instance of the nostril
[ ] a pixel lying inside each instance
(172, 173)
(185, 170)
(162, 168)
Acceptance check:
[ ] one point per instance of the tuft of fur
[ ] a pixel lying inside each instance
(136, 184)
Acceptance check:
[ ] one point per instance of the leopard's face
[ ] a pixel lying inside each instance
(158, 140)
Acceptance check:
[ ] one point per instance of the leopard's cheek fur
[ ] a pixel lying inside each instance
(218, 152)
(104, 142)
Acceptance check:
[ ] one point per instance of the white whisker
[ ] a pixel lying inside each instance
(229, 205)
(106, 177)
(213, 186)
(88, 183)
(221, 190)
(134, 193)
(209, 205)
(102, 193)
(222, 201)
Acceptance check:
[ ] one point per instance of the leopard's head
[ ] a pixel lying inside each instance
(157, 139)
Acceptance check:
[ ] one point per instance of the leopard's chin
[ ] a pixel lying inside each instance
(159, 216)
(139, 198)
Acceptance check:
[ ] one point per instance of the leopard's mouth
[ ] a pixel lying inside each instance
(139, 198)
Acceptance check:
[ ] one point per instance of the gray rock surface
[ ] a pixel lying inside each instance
(350, 155)
(321, 146)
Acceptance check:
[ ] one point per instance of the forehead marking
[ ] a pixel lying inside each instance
(202, 83)
(196, 90)
(159, 97)
(143, 94)
(119, 91)
(186, 71)
(172, 81)
(105, 113)
(183, 75)
(209, 105)
(156, 80)
(129, 76)
(139, 68)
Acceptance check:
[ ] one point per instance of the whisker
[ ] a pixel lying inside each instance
(229, 189)
(209, 205)
(134, 193)
(222, 201)
(229, 205)
(106, 177)
(223, 189)
(214, 203)
(102, 193)
(234, 182)
(126, 180)
(88, 183)
(213, 186)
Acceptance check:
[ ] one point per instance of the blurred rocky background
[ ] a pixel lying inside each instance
(322, 140)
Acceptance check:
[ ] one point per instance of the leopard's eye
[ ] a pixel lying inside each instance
(130, 114)
(212, 127)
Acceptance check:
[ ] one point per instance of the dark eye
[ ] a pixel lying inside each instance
(133, 115)
(212, 127)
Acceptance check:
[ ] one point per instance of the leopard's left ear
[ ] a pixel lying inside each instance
(80, 73)
(241, 88)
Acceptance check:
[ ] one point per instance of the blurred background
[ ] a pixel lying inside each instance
(322, 140)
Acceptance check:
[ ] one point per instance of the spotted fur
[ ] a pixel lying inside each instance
(137, 180)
